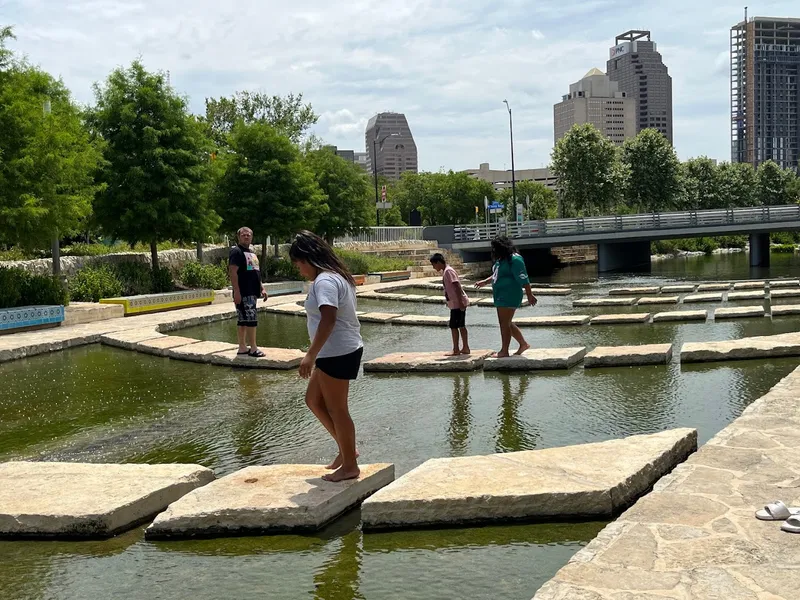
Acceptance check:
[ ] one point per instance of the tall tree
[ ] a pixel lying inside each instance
(6, 33)
(157, 160)
(538, 200)
(655, 173)
(347, 194)
(288, 115)
(737, 185)
(701, 184)
(266, 186)
(773, 184)
(591, 177)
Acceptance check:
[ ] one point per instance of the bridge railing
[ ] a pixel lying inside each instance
(637, 222)
(383, 234)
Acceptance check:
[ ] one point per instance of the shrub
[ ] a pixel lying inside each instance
(92, 283)
(197, 275)
(356, 262)
(161, 281)
(136, 278)
(278, 268)
(707, 245)
(733, 241)
(359, 263)
(42, 289)
(84, 249)
(783, 248)
(11, 286)
(784, 237)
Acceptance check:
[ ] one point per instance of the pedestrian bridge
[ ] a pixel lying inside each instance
(623, 241)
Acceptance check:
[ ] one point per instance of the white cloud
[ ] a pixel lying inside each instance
(447, 64)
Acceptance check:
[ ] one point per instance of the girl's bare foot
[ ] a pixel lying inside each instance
(342, 474)
(337, 462)
(466, 351)
(522, 349)
(499, 355)
(453, 353)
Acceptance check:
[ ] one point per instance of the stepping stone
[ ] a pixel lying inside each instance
(788, 309)
(658, 300)
(377, 317)
(625, 356)
(369, 295)
(128, 338)
(411, 297)
(275, 358)
(400, 362)
(604, 302)
(713, 287)
(681, 315)
(784, 293)
(391, 296)
(756, 295)
(159, 346)
(678, 289)
(551, 291)
(272, 499)
(749, 285)
(199, 351)
(634, 291)
(770, 346)
(702, 298)
(287, 309)
(597, 480)
(739, 312)
(537, 359)
(434, 300)
(559, 321)
(429, 320)
(81, 500)
(784, 283)
(484, 302)
(620, 319)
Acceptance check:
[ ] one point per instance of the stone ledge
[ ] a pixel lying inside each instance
(537, 359)
(756, 295)
(787, 344)
(784, 283)
(625, 356)
(785, 310)
(714, 287)
(279, 359)
(604, 302)
(658, 300)
(702, 298)
(559, 321)
(749, 285)
(435, 362)
(620, 319)
(787, 293)
(423, 320)
(634, 291)
(739, 312)
(78, 313)
(128, 338)
(159, 346)
(681, 288)
(199, 351)
(681, 315)
(377, 317)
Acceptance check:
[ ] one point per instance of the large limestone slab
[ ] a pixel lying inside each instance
(771, 346)
(378, 317)
(625, 356)
(588, 480)
(702, 298)
(714, 287)
(681, 315)
(620, 319)
(635, 291)
(258, 500)
(80, 500)
(753, 295)
(537, 359)
(287, 309)
(434, 300)
(128, 338)
(557, 321)
(199, 352)
(604, 302)
(281, 359)
(658, 300)
(551, 291)
(739, 312)
(490, 302)
(786, 310)
(680, 288)
(749, 285)
(411, 297)
(424, 320)
(784, 283)
(788, 293)
(159, 346)
(426, 362)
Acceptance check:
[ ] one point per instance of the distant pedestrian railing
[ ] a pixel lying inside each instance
(617, 223)
(383, 234)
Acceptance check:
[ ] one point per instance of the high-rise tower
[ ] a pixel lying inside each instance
(390, 145)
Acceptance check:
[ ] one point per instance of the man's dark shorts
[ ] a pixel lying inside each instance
(248, 315)
(458, 318)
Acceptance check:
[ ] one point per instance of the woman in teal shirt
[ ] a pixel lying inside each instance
(509, 278)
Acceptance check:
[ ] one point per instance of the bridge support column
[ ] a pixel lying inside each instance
(623, 256)
(759, 249)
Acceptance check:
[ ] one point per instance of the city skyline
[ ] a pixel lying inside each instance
(446, 65)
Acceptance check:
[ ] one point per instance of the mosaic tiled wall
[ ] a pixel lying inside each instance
(30, 316)
(156, 302)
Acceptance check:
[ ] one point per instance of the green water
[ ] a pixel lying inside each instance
(101, 404)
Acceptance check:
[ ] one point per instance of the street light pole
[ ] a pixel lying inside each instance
(513, 176)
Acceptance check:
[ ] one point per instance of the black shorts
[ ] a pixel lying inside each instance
(345, 366)
(246, 312)
(458, 318)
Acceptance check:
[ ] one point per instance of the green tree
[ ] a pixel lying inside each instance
(773, 184)
(47, 160)
(442, 198)
(591, 177)
(540, 201)
(793, 189)
(288, 115)
(655, 173)
(266, 186)
(347, 194)
(737, 185)
(701, 184)
(6, 33)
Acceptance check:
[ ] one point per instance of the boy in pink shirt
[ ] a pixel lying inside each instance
(457, 302)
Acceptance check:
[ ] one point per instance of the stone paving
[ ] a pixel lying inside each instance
(695, 536)
(625, 356)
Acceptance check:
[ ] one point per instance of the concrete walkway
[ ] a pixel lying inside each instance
(694, 535)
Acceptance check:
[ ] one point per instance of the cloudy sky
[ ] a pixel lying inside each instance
(446, 64)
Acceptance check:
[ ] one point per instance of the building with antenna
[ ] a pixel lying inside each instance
(635, 63)
(765, 101)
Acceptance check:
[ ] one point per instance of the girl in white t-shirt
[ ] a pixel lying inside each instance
(334, 358)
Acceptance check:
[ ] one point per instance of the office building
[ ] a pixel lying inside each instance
(636, 65)
(357, 158)
(390, 145)
(501, 180)
(765, 101)
(597, 100)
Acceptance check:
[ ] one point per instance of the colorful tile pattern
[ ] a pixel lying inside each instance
(30, 316)
(156, 302)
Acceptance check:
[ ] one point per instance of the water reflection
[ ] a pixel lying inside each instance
(339, 577)
(460, 416)
(513, 433)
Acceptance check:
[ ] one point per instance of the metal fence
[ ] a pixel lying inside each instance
(648, 221)
(383, 234)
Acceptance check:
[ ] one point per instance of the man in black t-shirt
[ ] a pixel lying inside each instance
(245, 275)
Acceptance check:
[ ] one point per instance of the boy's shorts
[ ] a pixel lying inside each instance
(458, 318)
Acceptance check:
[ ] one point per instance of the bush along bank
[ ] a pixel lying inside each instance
(20, 288)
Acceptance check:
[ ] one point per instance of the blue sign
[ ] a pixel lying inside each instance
(495, 205)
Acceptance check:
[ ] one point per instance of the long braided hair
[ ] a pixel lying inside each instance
(317, 252)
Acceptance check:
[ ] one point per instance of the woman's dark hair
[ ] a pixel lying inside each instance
(502, 248)
(438, 258)
(315, 251)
